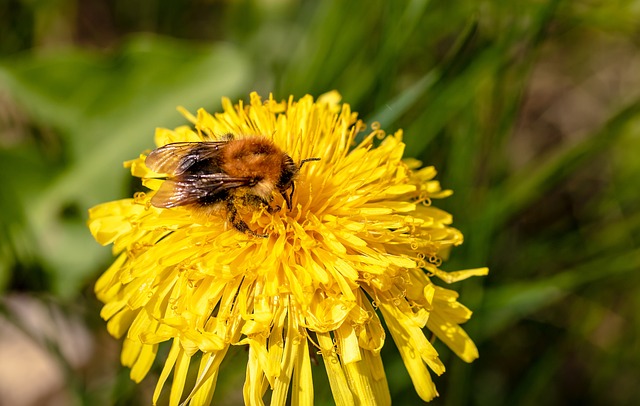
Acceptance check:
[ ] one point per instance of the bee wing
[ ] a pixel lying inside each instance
(190, 189)
(174, 159)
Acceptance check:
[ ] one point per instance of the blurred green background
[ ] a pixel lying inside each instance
(530, 110)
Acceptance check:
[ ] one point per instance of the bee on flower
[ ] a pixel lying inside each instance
(267, 226)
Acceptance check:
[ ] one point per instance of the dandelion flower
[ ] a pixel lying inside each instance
(361, 243)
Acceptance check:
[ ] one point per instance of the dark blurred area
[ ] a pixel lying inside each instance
(529, 111)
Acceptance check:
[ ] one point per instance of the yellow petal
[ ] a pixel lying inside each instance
(366, 389)
(254, 384)
(168, 367)
(286, 364)
(454, 337)
(179, 377)
(144, 362)
(337, 378)
(347, 342)
(413, 361)
(456, 276)
(302, 387)
(207, 377)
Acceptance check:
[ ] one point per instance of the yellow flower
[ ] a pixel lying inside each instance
(361, 241)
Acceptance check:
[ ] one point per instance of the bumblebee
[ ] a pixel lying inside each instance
(227, 174)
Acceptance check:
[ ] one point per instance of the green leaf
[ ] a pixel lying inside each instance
(107, 108)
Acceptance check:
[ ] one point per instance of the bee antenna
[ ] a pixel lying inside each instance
(307, 160)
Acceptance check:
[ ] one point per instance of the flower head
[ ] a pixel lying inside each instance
(361, 241)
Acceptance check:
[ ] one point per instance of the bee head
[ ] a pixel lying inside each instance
(288, 176)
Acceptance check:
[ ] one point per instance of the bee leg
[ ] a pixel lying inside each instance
(238, 223)
(270, 209)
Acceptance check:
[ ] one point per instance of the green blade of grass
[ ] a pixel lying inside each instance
(506, 304)
(530, 183)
